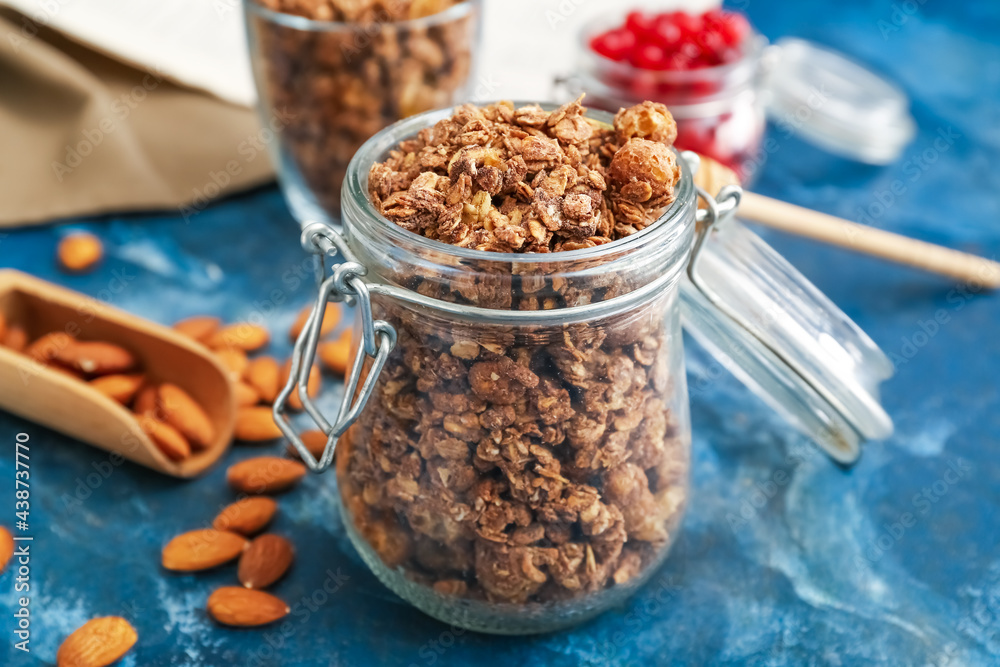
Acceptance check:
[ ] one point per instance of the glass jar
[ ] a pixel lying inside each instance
(326, 87)
(722, 111)
(514, 443)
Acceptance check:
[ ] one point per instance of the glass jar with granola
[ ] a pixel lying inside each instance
(331, 73)
(513, 451)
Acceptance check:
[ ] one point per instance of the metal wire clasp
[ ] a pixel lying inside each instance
(345, 283)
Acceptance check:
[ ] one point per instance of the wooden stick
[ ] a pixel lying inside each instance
(970, 269)
(793, 219)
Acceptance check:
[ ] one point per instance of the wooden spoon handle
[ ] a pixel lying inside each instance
(869, 240)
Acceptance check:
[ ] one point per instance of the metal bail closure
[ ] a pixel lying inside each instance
(777, 333)
(346, 284)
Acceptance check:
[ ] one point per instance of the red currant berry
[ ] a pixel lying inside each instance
(615, 44)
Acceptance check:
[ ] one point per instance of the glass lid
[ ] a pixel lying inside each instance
(776, 332)
(835, 102)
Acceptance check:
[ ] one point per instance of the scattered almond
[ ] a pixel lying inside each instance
(16, 338)
(202, 549)
(238, 606)
(241, 336)
(331, 318)
(265, 561)
(336, 355)
(245, 395)
(256, 424)
(248, 516)
(121, 388)
(264, 375)
(80, 252)
(312, 386)
(184, 414)
(200, 328)
(97, 643)
(6, 548)
(315, 442)
(235, 361)
(166, 438)
(265, 474)
(95, 357)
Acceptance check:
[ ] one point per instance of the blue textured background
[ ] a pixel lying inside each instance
(815, 575)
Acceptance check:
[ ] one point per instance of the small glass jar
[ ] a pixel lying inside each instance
(722, 111)
(514, 445)
(718, 110)
(326, 87)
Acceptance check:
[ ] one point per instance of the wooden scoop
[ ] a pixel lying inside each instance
(971, 269)
(66, 404)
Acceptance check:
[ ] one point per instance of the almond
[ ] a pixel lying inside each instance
(265, 561)
(44, 349)
(312, 386)
(80, 252)
(265, 474)
(247, 516)
(238, 606)
(3, 326)
(147, 401)
(256, 424)
(264, 375)
(233, 360)
(121, 388)
(315, 442)
(166, 438)
(97, 643)
(331, 318)
(202, 549)
(336, 355)
(16, 338)
(95, 357)
(241, 336)
(6, 548)
(246, 395)
(200, 327)
(184, 414)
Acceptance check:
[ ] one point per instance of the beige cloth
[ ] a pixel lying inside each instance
(81, 133)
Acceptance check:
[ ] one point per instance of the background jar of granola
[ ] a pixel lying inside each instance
(722, 111)
(325, 86)
(522, 461)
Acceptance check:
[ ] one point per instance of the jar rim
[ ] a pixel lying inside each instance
(357, 202)
(313, 25)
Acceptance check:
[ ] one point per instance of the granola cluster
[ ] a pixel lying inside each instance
(523, 464)
(508, 179)
(331, 89)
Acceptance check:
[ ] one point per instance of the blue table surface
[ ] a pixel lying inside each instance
(893, 562)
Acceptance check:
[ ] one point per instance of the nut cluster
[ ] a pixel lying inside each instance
(537, 463)
(332, 89)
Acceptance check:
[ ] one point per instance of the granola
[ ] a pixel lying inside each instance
(523, 464)
(331, 89)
